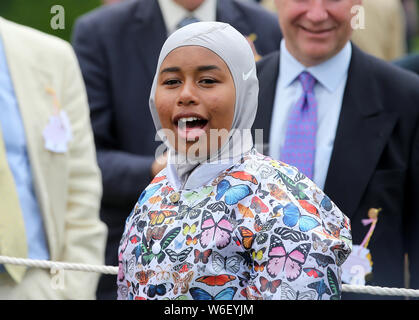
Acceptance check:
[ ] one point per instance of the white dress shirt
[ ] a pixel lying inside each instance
(174, 13)
(331, 78)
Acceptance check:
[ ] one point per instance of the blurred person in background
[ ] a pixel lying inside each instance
(361, 124)
(411, 13)
(50, 182)
(385, 29)
(384, 32)
(118, 47)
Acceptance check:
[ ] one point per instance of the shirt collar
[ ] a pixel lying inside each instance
(174, 13)
(200, 176)
(290, 68)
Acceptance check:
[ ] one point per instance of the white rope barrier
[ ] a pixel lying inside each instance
(44, 264)
(381, 291)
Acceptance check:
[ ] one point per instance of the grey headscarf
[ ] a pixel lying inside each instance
(233, 48)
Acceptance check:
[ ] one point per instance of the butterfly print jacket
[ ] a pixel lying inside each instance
(260, 230)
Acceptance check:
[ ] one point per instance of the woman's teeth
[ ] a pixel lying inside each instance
(188, 122)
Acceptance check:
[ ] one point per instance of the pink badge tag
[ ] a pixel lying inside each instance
(57, 133)
(356, 266)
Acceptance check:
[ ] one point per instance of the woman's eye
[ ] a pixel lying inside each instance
(208, 81)
(171, 82)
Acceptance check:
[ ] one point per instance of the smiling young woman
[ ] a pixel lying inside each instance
(195, 100)
(246, 227)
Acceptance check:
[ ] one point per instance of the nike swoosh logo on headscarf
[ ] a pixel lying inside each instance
(247, 75)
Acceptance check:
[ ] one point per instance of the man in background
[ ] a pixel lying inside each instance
(50, 182)
(384, 32)
(351, 123)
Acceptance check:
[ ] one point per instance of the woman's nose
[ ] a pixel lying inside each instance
(187, 95)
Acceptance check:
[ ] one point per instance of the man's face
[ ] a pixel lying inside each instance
(315, 30)
(190, 5)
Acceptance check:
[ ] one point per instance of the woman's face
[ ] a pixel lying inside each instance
(195, 95)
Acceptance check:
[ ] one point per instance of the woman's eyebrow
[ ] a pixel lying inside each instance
(207, 68)
(200, 68)
(170, 69)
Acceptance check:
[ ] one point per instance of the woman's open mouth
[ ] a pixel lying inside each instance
(191, 128)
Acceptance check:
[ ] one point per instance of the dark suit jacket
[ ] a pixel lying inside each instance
(409, 62)
(375, 158)
(118, 48)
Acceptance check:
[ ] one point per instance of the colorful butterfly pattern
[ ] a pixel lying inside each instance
(259, 230)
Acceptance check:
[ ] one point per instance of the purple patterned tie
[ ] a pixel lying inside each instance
(300, 140)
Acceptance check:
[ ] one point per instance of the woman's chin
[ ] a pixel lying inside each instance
(198, 150)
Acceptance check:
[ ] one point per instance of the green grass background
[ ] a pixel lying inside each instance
(37, 14)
